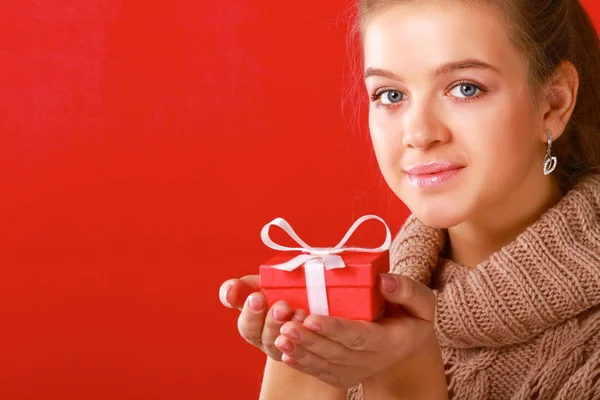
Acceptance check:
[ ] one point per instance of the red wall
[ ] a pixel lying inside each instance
(143, 146)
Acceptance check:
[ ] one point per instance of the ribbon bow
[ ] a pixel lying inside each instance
(318, 259)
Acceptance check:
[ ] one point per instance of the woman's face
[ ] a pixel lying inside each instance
(451, 116)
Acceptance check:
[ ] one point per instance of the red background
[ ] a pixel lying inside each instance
(143, 146)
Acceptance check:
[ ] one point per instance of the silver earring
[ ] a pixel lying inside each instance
(549, 161)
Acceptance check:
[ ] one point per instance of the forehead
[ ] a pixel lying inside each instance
(423, 35)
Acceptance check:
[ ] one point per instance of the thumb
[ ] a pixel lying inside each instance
(414, 297)
(233, 292)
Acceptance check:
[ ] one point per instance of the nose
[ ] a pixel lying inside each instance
(423, 129)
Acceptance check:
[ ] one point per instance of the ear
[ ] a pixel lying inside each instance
(558, 102)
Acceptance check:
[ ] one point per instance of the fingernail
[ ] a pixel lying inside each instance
(287, 359)
(389, 283)
(284, 345)
(256, 303)
(290, 333)
(313, 326)
(223, 294)
(299, 315)
(279, 313)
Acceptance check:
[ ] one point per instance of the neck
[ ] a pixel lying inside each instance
(473, 241)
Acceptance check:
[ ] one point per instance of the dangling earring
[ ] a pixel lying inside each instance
(549, 161)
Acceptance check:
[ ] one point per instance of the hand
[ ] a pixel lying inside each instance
(256, 325)
(344, 353)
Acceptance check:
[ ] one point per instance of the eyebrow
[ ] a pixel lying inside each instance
(470, 63)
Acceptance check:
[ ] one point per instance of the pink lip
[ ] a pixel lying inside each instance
(432, 168)
(432, 174)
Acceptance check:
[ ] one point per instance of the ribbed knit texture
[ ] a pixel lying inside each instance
(525, 323)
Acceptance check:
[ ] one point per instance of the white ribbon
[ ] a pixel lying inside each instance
(319, 258)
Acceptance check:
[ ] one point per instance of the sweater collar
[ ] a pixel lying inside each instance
(550, 273)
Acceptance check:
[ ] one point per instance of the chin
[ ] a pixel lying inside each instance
(444, 206)
(439, 216)
(439, 221)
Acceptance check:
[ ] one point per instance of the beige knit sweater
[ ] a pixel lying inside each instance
(524, 324)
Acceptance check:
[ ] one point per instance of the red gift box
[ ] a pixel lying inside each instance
(323, 281)
(351, 291)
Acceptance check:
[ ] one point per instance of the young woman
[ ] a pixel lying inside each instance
(485, 120)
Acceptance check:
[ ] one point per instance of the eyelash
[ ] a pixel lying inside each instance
(375, 97)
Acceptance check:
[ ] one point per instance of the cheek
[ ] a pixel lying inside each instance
(505, 148)
(386, 143)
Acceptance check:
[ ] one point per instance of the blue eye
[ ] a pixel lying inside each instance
(391, 96)
(466, 90)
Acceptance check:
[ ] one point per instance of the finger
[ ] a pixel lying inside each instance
(332, 351)
(355, 335)
(304, 361)
(234, 292)
(252, 319)
(253, 281)
(299, 316)
(276, 317)
(417, 299)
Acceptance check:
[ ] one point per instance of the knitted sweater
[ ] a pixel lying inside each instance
(525, 323)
